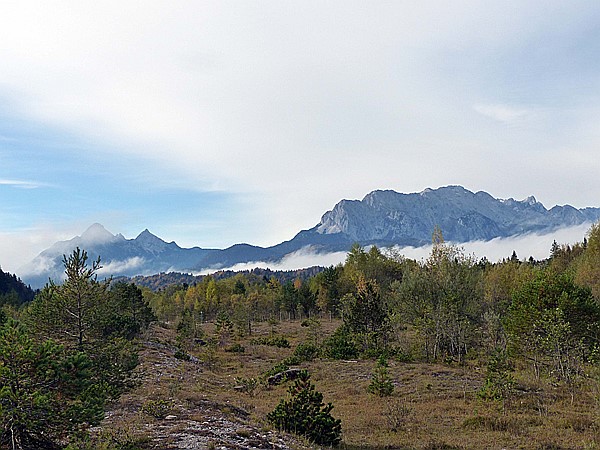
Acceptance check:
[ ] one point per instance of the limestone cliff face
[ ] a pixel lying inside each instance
(463, 216)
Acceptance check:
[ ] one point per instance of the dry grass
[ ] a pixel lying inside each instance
(434, 406)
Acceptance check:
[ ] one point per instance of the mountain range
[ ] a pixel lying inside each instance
(383, 218)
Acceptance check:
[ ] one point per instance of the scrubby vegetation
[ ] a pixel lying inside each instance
(448, 352)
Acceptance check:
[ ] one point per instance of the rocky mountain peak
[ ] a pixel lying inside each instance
(150, 242)
(147, 235)
(531, 200)
(96, 234)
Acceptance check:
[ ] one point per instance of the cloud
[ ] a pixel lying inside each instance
(536, 245)
(42, 265)
(21, 184)
(95, 234)
(129, 265)
(504, 113)
(20, 246)
(294, 106)
(300, 259)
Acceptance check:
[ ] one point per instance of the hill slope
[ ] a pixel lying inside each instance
(13, 291)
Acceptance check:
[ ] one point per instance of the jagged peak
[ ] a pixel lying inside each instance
(147, 236)
(96, 233)
(453, 188)
(95, 228)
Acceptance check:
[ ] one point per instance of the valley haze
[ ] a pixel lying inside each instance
(480, 223)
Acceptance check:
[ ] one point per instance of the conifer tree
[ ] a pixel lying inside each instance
(381, 383)
(71, 312)
(84, 316)
(46, 393)
(365, 315)
(304, 413)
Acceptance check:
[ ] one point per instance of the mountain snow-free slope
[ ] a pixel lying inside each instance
(390, 218)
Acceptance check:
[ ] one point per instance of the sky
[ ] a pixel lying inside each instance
(214, 123)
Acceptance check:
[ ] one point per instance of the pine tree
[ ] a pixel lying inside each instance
(306, 414)
(46, 393)
(84, 316)
(223, 327)
(71, 313)
(381, 383)
(499, 382)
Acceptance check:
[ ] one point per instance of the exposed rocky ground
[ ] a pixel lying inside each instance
(179, 405)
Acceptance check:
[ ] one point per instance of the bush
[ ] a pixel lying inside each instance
(180, 354)
(247, 385)
(340, 345)
(273, 341)
(158, 409)
(283, 365)
(277, 368)
(307, 351)
(306, 414)
(396, 413)
(236, 348)
(292, 360)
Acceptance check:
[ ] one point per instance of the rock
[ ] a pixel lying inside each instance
(290, 374)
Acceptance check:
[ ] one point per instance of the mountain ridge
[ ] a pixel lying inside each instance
(383, 217)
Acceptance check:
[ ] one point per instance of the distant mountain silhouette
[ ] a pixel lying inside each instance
(383, 218)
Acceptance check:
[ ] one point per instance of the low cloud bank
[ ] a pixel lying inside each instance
(300, 259)
(120, 267)
(40, 270)
(536, 245)
(526, 245)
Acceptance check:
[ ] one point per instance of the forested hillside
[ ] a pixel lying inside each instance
(13, 291)
(163, 280)
(447, 352)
